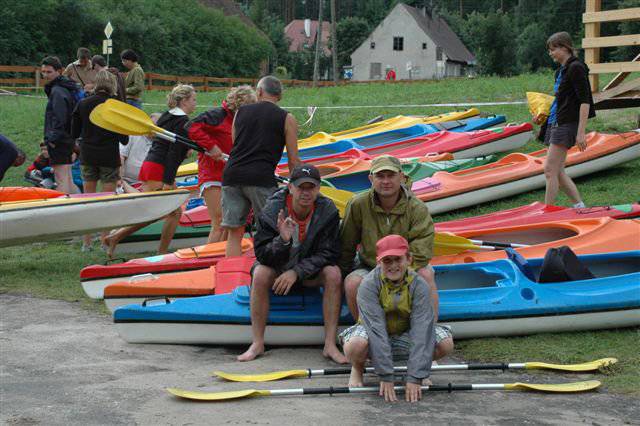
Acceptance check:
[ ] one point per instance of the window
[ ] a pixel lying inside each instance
(424, 46)
(398, 43)
(438, 53)
(373, 45)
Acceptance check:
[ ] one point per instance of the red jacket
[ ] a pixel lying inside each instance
(209, 129)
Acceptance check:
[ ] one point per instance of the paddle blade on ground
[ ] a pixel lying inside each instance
(267, 377)
(555, 388)
(216, 396)
(585, 366)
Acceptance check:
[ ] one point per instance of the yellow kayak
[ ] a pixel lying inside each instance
(398, 122)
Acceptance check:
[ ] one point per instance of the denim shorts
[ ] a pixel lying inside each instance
(237, 200)
(99, 173)
(561, 135)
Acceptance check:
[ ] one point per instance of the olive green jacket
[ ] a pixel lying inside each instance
(365, 222)
(134, 82)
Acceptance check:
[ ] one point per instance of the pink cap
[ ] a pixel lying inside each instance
(391, 245)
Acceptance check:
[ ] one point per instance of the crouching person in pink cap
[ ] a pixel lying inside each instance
(397, 322)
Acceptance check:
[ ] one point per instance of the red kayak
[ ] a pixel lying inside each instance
(95, 278)
(537, 213)
(461, 144)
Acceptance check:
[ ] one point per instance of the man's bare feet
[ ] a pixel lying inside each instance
(332, 352)
(355, 378)
(254, 351)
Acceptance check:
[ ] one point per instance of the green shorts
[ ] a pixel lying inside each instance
(99, 173)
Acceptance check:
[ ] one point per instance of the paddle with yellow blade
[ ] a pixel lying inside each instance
(450, 387)
(309, 373)
(126, 119)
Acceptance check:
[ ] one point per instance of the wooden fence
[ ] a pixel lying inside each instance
(153, 81)
(615, 94)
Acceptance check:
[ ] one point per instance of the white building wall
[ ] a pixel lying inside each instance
(397, 24)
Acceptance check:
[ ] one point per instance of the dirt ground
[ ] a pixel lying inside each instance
(64, 365)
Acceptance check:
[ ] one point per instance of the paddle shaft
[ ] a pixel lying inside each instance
(452, 367)
(375, 389)
(498, 245)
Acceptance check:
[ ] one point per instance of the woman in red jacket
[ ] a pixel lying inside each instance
(212, 131)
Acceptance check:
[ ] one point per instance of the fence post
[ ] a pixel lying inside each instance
(37, 78)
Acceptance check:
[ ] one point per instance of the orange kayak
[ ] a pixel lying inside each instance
(23, 193)
(517, 173)
(583, 236)
(222, 278)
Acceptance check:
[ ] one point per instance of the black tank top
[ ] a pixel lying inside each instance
(259, 143)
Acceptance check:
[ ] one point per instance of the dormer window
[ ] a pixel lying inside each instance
(373, 45)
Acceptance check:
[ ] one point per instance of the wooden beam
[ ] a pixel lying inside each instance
(619, 77)
(628, 14)
(592, 30)
(616, 91)
(614, 67)
(615, 103)
(612, 41)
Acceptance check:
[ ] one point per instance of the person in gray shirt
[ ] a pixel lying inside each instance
(397, 322)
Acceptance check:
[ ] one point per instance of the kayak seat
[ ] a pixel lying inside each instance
(521, 263)
(561, 265)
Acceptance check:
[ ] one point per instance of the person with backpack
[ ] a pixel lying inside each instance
(81, 71)
(63, 94)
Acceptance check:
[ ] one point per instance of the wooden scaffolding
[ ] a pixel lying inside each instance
(616, 93)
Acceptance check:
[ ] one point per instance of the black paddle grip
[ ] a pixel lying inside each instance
(449, 388)
(323, 391)
(496, 244)
(496, 366)
(336, 371)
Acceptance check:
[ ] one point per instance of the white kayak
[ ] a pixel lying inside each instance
(58, 218)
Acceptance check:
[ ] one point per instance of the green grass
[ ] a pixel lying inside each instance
(51, 270)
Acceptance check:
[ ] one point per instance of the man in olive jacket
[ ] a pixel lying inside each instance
(297, 244)
(388, 208)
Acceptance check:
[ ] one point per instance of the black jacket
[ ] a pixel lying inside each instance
(320, 248)
(169, 154)
(573, 91)
(98, 147)
(57, 116)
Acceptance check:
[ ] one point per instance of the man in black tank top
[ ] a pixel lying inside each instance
(260, 133)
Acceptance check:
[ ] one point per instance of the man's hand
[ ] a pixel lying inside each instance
(387, 390)
(286, 226)
(581, 141)
(413, 392)
(215, 153)
(284, 282)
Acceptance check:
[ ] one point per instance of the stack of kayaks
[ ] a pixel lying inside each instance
(479, 299)
(55, 218)
(398, 122)
(95, 277)
(517, 173)
(353, 175)
(221, 278)
(582, 235)
(423, 139)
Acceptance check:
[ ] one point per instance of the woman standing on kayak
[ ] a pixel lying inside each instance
(565, 126)
(212, 131)
(158, 171)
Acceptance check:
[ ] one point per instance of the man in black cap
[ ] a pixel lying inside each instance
(297, 243)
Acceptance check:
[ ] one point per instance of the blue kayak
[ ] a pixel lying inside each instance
(398, 135)
(476, 299)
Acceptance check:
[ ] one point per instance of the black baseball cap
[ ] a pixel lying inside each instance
(305, 173)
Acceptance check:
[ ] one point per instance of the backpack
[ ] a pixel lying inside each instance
(561, 265)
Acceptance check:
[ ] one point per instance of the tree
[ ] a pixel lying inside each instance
(531, 51)
(351, 32)
(490, 36)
